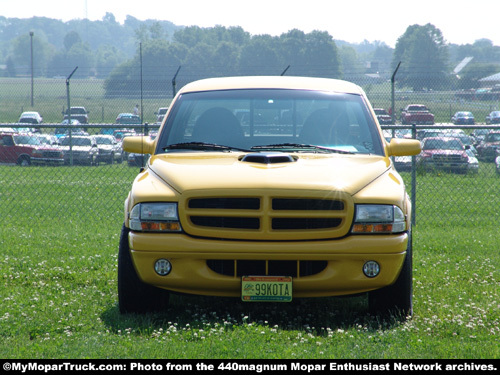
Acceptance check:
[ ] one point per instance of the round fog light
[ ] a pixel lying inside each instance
(163, 267)
(371, 268)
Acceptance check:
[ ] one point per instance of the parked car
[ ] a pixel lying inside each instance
(119, 134)
(463, 118)
(493, 118)
(110, 151)
(26, 149)
(47, 139)
(224, 210)
(478, 135)
(497, 163)
(75, 129)
(473, 161)
(416, 114)
(81, 149)
(128, 118)
(446, 154)
(467, 140)
(402, 163)
(31, 117)
(137, 160)
(487, 149)
(160, 114)
(77, 113)
(430, 133)
(27, 122)
(384, 118)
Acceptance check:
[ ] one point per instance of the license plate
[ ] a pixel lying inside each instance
(266, 288)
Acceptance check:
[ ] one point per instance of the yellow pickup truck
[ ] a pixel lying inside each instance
(268, 189)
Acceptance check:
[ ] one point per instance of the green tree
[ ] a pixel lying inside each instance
(21, 53)
(259, 57)
(10, 67)
(351, 65)
(321, 56)
(424, 58)
(106, 58)
(314, 54)
(70, 39)
(225, 59)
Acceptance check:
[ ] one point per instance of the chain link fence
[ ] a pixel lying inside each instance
(48, 184)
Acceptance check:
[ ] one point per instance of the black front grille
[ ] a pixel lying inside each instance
(239, 268)
(52, 154)
(447, 158)
(226, 203)
(305, 223)
(226, 222)
(307, 204)
(269, 215)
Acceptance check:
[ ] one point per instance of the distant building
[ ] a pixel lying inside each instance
(490, 81)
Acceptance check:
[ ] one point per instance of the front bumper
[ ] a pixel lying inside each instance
(47, 161)
(342, 275)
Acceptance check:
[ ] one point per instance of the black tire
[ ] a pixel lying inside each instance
(397, 299)
(24, 161)
(134, 296)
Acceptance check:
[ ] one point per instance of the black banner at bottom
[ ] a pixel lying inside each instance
(228, 366)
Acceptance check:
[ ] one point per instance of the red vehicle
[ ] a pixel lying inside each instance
(416, 114)
(25, 149)
(383, 117)
(446, 154)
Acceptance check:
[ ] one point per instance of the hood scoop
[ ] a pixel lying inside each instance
(268, 158)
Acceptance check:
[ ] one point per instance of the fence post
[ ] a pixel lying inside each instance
(393, 80)
(174, 92)
(69, 117)
(413, 179)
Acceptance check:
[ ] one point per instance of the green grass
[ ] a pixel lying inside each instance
(49, 97)
(59, 239)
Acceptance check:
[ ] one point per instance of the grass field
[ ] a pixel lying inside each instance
(50, 98)
(59, 239)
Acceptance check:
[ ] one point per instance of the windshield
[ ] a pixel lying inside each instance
(443, 144)
(492, 137)
(257, 119)
(76, 141)
(26, 140)
(104, 140)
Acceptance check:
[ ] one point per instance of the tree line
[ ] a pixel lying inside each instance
(146, 55)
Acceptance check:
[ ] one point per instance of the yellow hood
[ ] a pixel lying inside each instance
(346, 173)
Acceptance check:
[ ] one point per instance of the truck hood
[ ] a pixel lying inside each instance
(194, 171)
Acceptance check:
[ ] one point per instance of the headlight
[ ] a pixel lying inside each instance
(155, 217)
(378, 218)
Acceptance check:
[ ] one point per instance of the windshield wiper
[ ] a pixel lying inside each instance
(301, 147)
(202, 146)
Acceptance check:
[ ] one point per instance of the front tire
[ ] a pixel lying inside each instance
(134, 296)
(24, 161)
(396, 299)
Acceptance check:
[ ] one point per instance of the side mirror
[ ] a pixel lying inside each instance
(404, 147)
(138, 145)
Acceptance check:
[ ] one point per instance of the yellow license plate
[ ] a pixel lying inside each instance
(266, 288)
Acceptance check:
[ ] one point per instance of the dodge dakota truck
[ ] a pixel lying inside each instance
(268, 189)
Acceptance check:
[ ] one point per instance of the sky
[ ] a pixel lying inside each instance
(460, 21)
